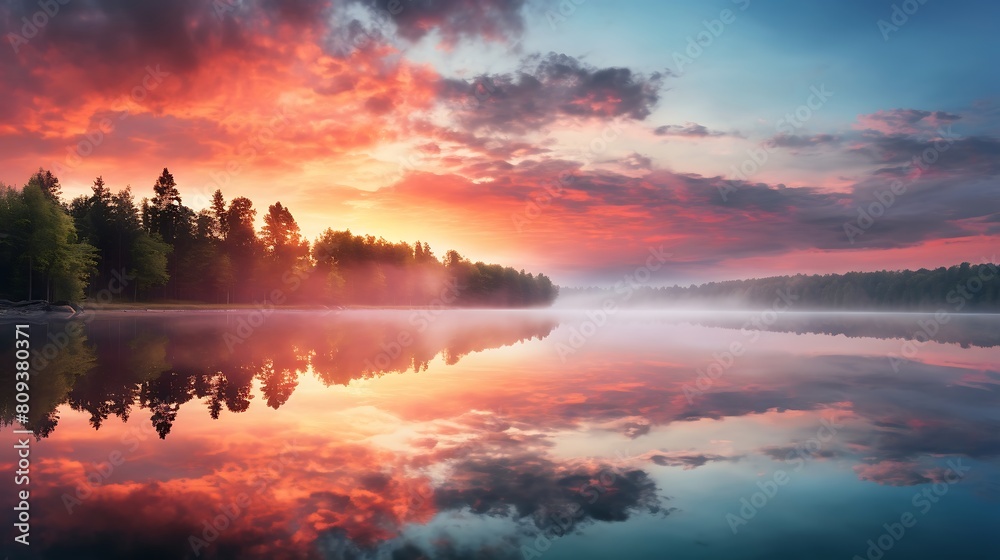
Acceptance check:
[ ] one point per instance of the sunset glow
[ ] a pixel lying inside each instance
(452, 122)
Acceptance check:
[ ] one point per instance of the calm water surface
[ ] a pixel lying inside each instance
(512, 434)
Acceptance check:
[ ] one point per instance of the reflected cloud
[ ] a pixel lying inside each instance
(485, 441)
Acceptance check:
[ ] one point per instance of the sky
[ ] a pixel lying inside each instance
(742, 138)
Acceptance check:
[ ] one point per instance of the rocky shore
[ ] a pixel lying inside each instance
(38, 307)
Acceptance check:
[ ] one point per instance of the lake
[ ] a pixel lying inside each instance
(550, 434)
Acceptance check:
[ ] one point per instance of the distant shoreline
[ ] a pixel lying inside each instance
(61, 310)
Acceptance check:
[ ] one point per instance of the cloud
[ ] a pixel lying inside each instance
(549, 88)
(972, 156)
(896, 121)
(528, 486)
(675, 209)
(454, 20)
(688, 460)
(892, 473)
(335, 101)
(483, 145)
(637, 161)
(688, 130)
(455, 460)
(150, 520)
(794, 452)
(360, 499)
(799, 141)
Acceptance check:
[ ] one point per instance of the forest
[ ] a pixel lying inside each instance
(106, 247)
(960, 288)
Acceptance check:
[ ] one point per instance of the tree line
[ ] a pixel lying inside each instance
(960, 288)
(161, 250)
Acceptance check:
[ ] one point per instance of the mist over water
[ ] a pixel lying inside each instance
(499, 280)
(561, 433)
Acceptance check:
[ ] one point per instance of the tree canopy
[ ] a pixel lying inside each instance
(963, 287)
(161, 249)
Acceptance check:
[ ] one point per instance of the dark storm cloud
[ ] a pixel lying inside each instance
(549, 88)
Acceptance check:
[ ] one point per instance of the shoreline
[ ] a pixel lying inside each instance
(60, 310)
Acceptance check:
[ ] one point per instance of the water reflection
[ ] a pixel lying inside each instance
(963, 329)
(162, 361)
(490, 443)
